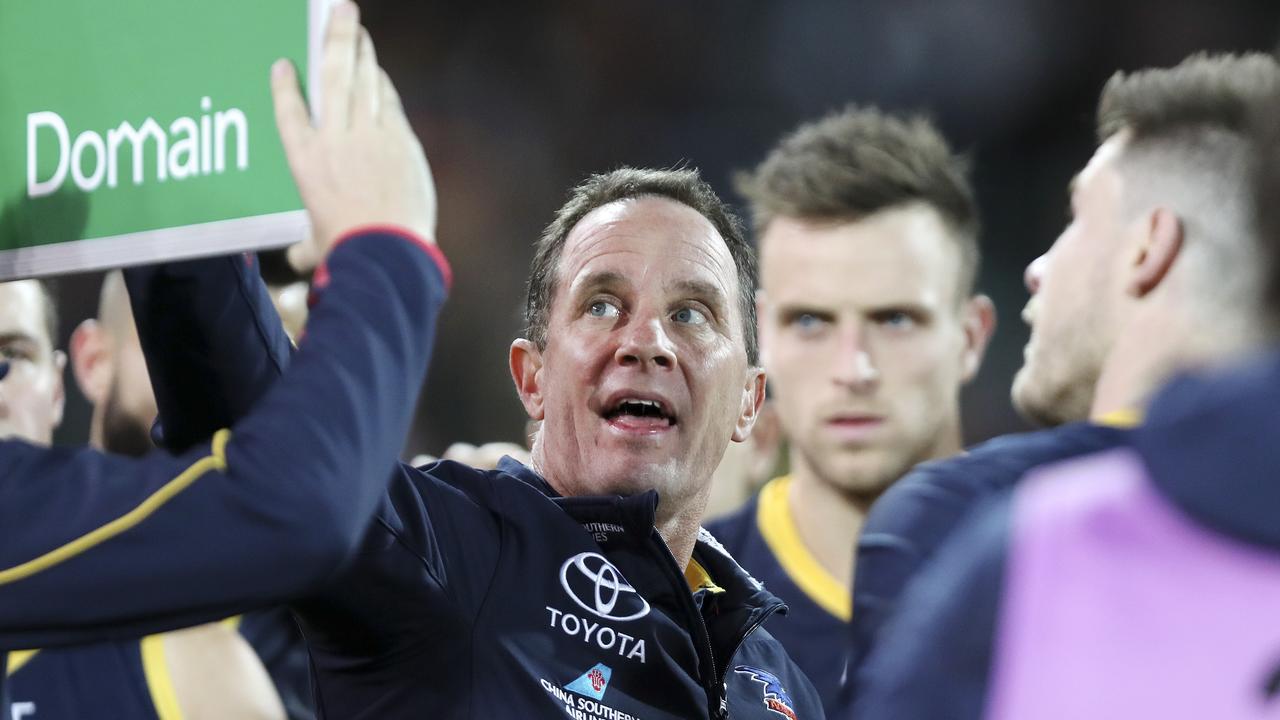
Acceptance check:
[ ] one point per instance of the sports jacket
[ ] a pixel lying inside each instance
(481, 594)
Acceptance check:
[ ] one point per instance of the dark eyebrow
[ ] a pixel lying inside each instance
(600, 279)
(17, 336)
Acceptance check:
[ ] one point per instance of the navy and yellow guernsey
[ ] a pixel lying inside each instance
(96, 547)
(121, 681)
(762, 535)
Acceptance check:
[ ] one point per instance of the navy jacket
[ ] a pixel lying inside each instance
(482, 594)
(260, 513)
(1197, 480)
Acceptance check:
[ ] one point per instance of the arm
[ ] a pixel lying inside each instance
(272, 509)
(214, 675)
(260, 514)
(936, 652)
(212, 339)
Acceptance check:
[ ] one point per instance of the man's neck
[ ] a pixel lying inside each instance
(1153, 348)
(827, 520)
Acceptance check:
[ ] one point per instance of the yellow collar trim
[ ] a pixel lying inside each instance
(17, 659)
(164, 696)
(778, 527)
(699, 579)
(1123, 418)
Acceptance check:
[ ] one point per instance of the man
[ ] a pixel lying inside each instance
(99, 547)
(1138, 582)
(581, 585)
(869, 327)
(201, 672)
(1157, 271)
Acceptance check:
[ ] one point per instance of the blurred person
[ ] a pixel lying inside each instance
(1137, 582)
(869, 326)
(581, 584)
(101, 547)
(1157, 271)
(206, 672)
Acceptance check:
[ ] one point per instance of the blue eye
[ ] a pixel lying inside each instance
(898, 320)
(689, 316)
(603, 309)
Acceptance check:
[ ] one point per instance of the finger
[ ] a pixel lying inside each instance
(338, 65)
(392, 112)
(292, 119)
(302, 256)
(367, 91)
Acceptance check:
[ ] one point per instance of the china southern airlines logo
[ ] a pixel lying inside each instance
(593, 682)
(597, 586)
(776, 698)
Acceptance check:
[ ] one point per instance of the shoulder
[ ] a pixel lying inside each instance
(732, 530)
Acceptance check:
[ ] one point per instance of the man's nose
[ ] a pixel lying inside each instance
(646, 342)
(855, 368)
(1034, 272)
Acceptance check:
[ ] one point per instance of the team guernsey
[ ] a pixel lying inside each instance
(125, 680)
(1138, 582)
(98, 548)
(762, 535)
(484, 595)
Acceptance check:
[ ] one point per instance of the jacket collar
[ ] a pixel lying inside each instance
(1209, 444)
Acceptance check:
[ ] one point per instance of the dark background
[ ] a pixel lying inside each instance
(515, 103)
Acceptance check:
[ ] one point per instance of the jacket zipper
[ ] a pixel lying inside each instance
(717, 707)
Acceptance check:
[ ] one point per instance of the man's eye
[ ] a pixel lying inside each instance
(689, 316)
(603, 309)
(897, 320)
(806, 321)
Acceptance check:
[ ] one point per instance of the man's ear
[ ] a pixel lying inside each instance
(526, 372)
(91, 361)
(979, 326)
(59, 386)
(752, 400)
(1161, 244)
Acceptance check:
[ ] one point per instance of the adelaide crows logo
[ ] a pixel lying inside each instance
(776, 698)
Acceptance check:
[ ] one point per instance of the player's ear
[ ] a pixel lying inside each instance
(91, 361)
(752, 400)
(979, 326)
(526, 371)
(1158, 249)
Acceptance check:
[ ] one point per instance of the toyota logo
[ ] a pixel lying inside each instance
(597, 586)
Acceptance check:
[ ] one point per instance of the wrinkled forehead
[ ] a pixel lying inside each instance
(24, 311)
(648, 239)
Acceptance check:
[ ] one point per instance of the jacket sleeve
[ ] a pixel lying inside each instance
(97, 547)
(213, 342)
(935, 656)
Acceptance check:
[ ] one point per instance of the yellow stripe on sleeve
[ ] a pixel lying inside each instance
(159, 681)
(217, 460)
(17, 659)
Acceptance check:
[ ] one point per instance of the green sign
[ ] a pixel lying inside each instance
(133, 130)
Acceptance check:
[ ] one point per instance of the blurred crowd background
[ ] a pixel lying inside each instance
(516, 102)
